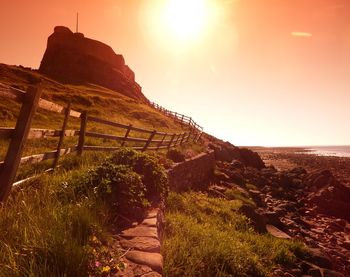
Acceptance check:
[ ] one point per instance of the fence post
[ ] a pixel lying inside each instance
(161, 142)
(182, 118)
(183, 138)
(14, 153)
(126, 135)
(149, 140)
(62, 135)
(83, 122)
(189, 134)
(171, 141)
(199, 137)
(177, 140)
(196, 134)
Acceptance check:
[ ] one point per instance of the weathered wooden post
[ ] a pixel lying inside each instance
(14, 153)
(177, 140)
(62, 135)
(126, 135)
(149, 140)
(83, 123)
(171, 141)
(161, 142)
(189, 134)
(199, 137)
(183, 138)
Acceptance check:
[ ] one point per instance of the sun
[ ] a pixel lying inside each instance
(180, 25)
(186, 19)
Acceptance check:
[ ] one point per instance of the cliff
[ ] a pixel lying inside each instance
(71, 58)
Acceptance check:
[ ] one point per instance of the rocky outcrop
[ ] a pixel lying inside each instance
(228, 152)
(311, 207)
(72, 58)
(327, 194)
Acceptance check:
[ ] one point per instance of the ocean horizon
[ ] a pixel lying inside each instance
(332, 150)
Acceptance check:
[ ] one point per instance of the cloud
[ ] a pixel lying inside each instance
(301, 34)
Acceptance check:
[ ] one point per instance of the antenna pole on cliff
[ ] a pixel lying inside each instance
(77, 25)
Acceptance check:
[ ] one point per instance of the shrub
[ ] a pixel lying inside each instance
(175, 155)
(120, 187)
(152, 173)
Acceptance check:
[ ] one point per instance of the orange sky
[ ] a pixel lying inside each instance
(262, 72)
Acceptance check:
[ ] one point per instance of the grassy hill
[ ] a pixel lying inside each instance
(97, 101)
(49, 227)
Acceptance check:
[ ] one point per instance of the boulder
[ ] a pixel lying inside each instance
(329, 196)
(319, 258)
(225, 151)
(257, 220)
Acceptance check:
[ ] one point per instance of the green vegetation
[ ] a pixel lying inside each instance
(205, 236)
(97, 101)
(45, 227)
(57, 225)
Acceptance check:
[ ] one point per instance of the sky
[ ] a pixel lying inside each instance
(253, 72)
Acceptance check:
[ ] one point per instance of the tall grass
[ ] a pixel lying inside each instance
(205, 236)
(45, 227)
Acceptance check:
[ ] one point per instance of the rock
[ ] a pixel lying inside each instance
(133, 269)
(236, 164)
(319, 258)
(331, 273)
(140, 231)
(346, 245)
(329, 196)
(315, 272)
(151, 222)
(273, 218)
(257, 220)
(72, 58)
(274, 231)
(153, 213)
(298, 171)
(256, 196)
(146, 244)
(278, 273)
(296, 272)
(153, 260)
(224, 151)
(250, 158)
(304, 266)
(151, 274)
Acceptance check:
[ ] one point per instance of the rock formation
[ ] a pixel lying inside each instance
(72, 58)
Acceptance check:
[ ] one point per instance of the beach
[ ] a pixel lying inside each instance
(286, 158)
(323, 196)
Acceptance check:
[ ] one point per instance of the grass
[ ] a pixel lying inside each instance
(205, 236)
(45, 227)
(98, 101)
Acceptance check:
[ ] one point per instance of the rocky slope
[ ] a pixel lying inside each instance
(310, 206)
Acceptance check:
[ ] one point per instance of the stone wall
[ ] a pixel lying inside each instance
(191, 173)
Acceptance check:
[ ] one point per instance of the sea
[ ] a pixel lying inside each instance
(336, 151)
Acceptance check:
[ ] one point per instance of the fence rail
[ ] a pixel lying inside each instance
(31, 101)
(181, 118)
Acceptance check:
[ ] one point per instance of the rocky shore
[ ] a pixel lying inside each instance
(296, 196)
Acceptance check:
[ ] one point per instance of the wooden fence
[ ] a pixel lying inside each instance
(181, 118)
(22, 132)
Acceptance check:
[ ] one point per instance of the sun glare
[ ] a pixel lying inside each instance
(186, 19)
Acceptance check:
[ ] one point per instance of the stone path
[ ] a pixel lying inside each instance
(141, 245)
